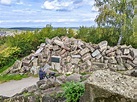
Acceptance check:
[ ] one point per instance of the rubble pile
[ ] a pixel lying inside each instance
(77, 56)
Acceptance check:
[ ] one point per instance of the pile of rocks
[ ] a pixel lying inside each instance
(79, 57)
(46, 90)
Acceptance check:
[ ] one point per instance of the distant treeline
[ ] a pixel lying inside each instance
(33, 29)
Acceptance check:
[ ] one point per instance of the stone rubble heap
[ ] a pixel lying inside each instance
(79, 57)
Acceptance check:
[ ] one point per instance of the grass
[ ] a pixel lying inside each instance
(7, 66)
(8, 77)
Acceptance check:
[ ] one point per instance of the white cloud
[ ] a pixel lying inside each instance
(66, 4)
(5, 2)
(56, 5)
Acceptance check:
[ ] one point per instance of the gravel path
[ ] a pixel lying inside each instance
(11, 88)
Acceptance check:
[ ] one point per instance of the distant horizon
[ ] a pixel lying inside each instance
(39, 13)
(44, 27)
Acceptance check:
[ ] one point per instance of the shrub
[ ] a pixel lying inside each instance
(73, 91)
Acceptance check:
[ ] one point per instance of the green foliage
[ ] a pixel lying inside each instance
(6, 64)
(2, 40)
(8, 56)
(96, 35)
(20, 45)
(71, 33)
(118, 14)
(73, 91)
(5, 78)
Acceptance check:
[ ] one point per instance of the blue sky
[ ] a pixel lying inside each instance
(39, 13)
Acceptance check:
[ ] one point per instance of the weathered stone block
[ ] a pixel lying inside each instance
(134, 52)
(57, 42)
(75, 56)
(126, 51)
(127, 57)
(26, 62)
(88, 63)
(75, 60)
(135, 61)
(100, 65)
(74, 77)
(107, 86)
(112, 60)
(84, 51)
(95, 53)
(103, 45)
(86, 57)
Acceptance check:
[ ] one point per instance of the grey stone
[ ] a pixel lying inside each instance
(120, 68)
(26, 62)
(119, 60)
(134, 73)
(86, 57)
(50, 47)
(134, 52)
(91, 49)
(127, 57)
(68, 58)
(111, 54)
(98, 56)
(95, 53)
(17, 64)
(88, 63)
(112, 60)
(118, 52)
(34, 70)
(100, 65)
(103, 45)
(126, 51)
(74, 77)
(32, 88)
(75, 56)
(62, 78)
(112, 49)
(42, 44)
(75, 60)
(128, 66)
(131, 63)
(60, 43)
(40, 82)
(35, 62)
(84, 51)
(107, 86)
(48, 41)
(123, 46)
(62, 52)
(38, 51)
(55, 47)
(49, 83)
(135, 61)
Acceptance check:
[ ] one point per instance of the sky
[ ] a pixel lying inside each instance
(39, 13)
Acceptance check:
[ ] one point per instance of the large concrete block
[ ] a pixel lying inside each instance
(107, 86)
